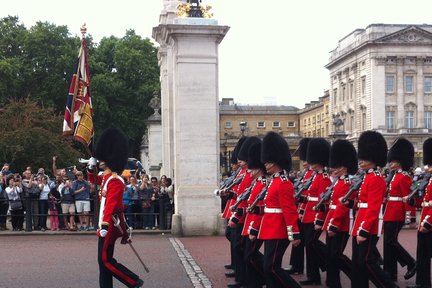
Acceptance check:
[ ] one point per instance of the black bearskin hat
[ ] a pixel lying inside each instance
(243, 152)
(303, 144)
(236, 149)
(254, 156)
(343, 154)
(372, 147)
(318, 151)
(427, 152)
(112, 148)
(402, 151)
(275, 150)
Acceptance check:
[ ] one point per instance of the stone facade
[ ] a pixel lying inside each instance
(315, 118)
(381, 79)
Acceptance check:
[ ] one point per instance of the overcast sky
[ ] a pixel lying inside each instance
(275, 51)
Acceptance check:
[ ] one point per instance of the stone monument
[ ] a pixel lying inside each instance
(154, 136)
(188, 60)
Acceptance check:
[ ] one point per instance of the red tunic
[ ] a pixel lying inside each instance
(259, 185)
(240, 213)
(227, 212)
(370, 198)
(280, 212)
(338, 219)
(319, 184)
(426, 215)
(399, 187)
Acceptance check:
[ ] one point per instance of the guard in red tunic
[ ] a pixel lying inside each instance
(112, 149)
(317, 156)
(400, 158)
(343, 161)
(297, 252)
(237, 218)
(372, 154)
(424, 234)
(279, 224)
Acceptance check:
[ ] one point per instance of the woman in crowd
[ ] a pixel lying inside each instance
(43, 202)
(14, 191)
(4, 205)
(145, 195)
(167, 190)
(68, 205)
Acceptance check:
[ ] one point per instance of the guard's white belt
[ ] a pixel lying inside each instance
(272, 210)
(362, 205)
(393, 198)
(332, 206)
(312, 199)
(426, 204)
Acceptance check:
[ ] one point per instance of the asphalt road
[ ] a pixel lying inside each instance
(70, 260)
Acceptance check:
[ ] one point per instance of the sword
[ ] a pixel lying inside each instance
(116, 220)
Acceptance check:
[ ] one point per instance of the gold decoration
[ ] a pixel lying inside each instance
(183, 9)
(206, 11)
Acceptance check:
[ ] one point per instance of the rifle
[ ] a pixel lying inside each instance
(304, 186)
(420, 188)
(259, 197)
(230, 179)
(357, 180)
(243, 196)
(325, 196)
(299, 180)
(233, 183)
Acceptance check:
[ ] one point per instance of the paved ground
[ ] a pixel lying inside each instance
(69, 260)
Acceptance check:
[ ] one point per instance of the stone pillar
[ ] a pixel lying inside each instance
(400, 116)
(154, 130)
(420, 94)
(192, 99)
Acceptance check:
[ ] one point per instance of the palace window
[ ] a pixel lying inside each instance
(390, 84)
(409, 84)
(390, 120)
(261, 124)
(291, 124)
(409, 119)
(428, 84)
(428, 119)
(228, 125)
(363, 86)
(276, 124)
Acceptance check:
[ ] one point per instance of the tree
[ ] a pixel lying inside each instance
(31, 136)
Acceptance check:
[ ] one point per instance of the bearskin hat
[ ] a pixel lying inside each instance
(318, 151)
(112, 148)
(427, 152)
(372, 147)
(243, 152)
(303, 144)
(236, 149)
(254, 156)
(402, 151)
(276, 150)
(343, 154)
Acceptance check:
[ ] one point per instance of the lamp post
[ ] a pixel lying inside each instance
(242, 127)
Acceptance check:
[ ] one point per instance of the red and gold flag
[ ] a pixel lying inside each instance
(78, 118)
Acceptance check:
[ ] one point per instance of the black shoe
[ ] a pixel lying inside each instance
(416, 286)
(310, 282)
(140, 283)
(230, 274)
(294, 271)
(235, 285)
(411, 271)
(228, 266)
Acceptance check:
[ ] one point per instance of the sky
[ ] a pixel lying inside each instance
(274, 52)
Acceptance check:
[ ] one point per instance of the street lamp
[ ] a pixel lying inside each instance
(242, 127)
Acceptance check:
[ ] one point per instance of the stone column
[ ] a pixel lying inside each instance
(420, 93)
(192, 50)
(400, 116)
(154, 130)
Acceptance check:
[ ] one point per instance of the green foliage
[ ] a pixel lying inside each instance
(38, 63)
(31, 135)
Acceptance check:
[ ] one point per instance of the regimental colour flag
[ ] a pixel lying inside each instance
(78, 118)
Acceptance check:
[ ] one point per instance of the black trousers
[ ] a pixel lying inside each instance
(237, 242)
(297, 253)
(393, 250)
(4, 206)
(109, 267)
(315, 252)
(228, 232)
(366, 266)
(276, 277)
(254, 260)
(424, 254)
(336, 260)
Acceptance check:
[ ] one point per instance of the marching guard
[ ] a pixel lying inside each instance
(372, 154)
(112, 149)
(297, 252)
(343, 161)
(279, 223)
(400, 159)
(318, 157)
(424, 234)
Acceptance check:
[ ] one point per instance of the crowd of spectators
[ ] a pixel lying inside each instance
(66, 200)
